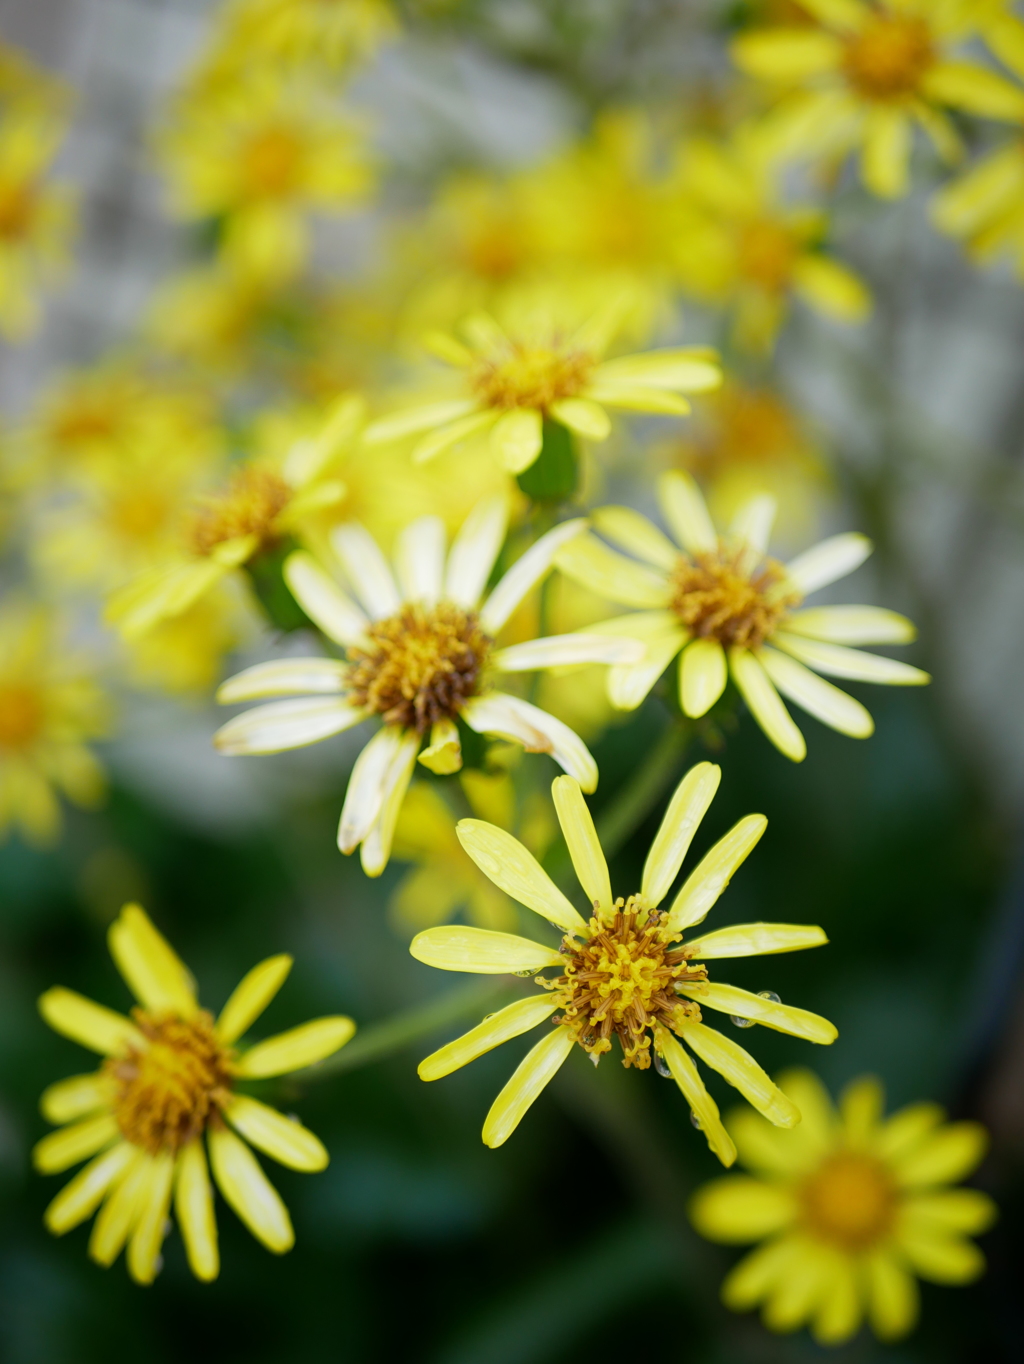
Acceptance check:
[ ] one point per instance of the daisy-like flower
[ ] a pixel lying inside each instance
(49, 709)
(421, 654)
(511, 381)
(850, 1207)
(169, 1079)
(734, 611)
(865, 74)
(625, 973)
(265, 501)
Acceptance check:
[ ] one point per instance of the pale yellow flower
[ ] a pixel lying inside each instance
(335, 33)
(49, 710)
(169, 1079)
(626, 972)
(732, 611)
(851, 1207)
(36, 219)
(866, 74)
(421, 655)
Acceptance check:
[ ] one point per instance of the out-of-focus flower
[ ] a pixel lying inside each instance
(265, 501)
(746, 249)
(421, 654)
(334, 33)
(184, 654)
(865, 74)
(49, 709)
(169, 1079)
(260, 155)
(512, 380)
(984, 208)
(850, 1206)
(725, 603)
(214, 317)
(626, 972)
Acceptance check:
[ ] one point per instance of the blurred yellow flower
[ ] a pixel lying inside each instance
(49, 709)
(169, 1078)
(865, 74)
(731, 610)
(335, 33)
(421, 654)
(850, 1206)
(626, 971)
(185, 653)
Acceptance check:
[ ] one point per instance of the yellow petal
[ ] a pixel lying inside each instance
(974, 90)
(589, 562)
(765, 704)
(509, 1022)
(786, 54)
(686, 809)
(852, 625)
(582, 841)
(515, 870)
(193, 1207)
(416, 419)
(755, 940)
(251, 996)
(838, 661)
(968, 1211)
(74, 1097)
(827, 562)
(686, 512)
(151, 1225)
(443, 755)
(758, 1273)
(892, 1296)
(582, 415)
(943, 1157)
(81, 1197)
(684, 1072)
(71, 1144)
(906, 1129)
(117, 1217)
(938, 1258)
(831, 288)
(629, 684)
(885, 160)
(530, 1077)
(270, 1131)
(798, 1295)
(709, 878)
(819, 1126)
(282, 725)
(639, 398)
(284, 677)
(455, 947)
(841, 1309)
(729, 999)
(247, 1190)
(297, 1048)
(721, 1053)
(738, 1209)
(631, 531)
(152, 969)
(702, 676)
(861, 1106)
(688, 369)
(435, 442)
(91, 1025)
(819, 698)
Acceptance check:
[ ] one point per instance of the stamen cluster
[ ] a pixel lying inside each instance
(716, 598)
(888, 57)
(250, 506)
(167, 1094)
(421, 665)
(21, 715)
(622, 980)
(850, 1201)
(767, 255)
(530, 376)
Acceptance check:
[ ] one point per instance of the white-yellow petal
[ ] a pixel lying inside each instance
(819, 698)
(419, 559)
(755, 940)
(512, 1021)
(839, 661)
(709, 878)
(247, 1190)
(537, 1068)
(765, 704)
(415, 419)
(703, 674)
(193, 1207)
(483, 951)
(151, 968)
(512, 718)
(686, 809)
(282, 725)
(630, 683)
(753, 522)
(367, 569)
(827, 561)
(91, 1025)
(323, 601)
(525, 573)
(474, 551)
(562, 651)
(516, 438)
(435, 442)
(365, 792)
(632, 531)
(686, 512)
(271, 1132)
(851, 625)
(584, 416)
(608, 574)
(284, 677)
(251, 996)
(81, 1196)
(584, 846)
(297, 1048)
(515, 870)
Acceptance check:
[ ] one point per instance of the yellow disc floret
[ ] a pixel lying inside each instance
(250, 506)
(22, 715)
(715, 597)
(888, 57)
(850, 1201)
(530, 375)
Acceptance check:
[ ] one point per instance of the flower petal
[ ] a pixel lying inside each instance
(583, 843)
(608, 574)
(458, 947)
(75, 1097)
(973, 89)
(885, 160)
(323, 601)
(754, 520)
(376, 849)
(271, 1132)
(713, 873)
(749, 1282)
(906, 1130)
(893, 1302)
(755, 940)
(638, 398)
(282, 725)
(819, 698)
(632, 531)
(766, 705)
(414, 419)
(419, 559)
(443, 755)
(248, 1191)
(435, 442)
(943, 1157)
(534, 1072)
(91, 1025)
(151, 1224)
(831, 288)
(527, 570)
(582, 415)
(861, 1105)
(151, 968)
(284, 677)
(251, 996)
(787, 55)
(365, 792)
(509, 716)
(517, 437)
(193, 1207)
(630, 683)
(81, 1196)
(703, 673)
(729, 999)
(737, 1209)
(689, 369)
(686, 512)
(512, 1021)
(686, 809)
(516, 871)
(968, 1211)
(840, 1311)
(839, 661)
(474, 551)
(721, 1053)
(851, 625)
(827, 561)
(555, 651)
(367, 569)
(684, 1072)
(295, 1049)
(60, 1150)
(938, 1258)
(120, 1212)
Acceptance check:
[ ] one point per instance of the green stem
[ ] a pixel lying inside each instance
(623, 815)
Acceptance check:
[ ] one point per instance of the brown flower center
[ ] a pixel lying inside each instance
(167, 1094)
(530, 376)
(21, 714)
(849, 1201)
(715, 597)
(887, 59)
(250, 506)
(622, 980)
(271, 162)
(420, 665)
(767, 254)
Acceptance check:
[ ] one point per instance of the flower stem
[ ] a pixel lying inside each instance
(623, 815)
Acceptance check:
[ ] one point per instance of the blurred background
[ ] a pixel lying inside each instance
(418, 1242)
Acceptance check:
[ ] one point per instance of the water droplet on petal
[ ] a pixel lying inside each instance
(696, 1121)
(770, 995)
(594, 1057)
(661, 1065)
(738, 1022)
(524, 975)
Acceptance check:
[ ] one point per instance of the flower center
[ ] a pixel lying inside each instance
(767, 255)
(21, 715)
(250, 506)
(17, 208)
(530, 376)
(888, 57)
(85, 420)
(716, 598)
(622, 980)
(420, 665)
(139, 513)
(849, 1201)
(270, 162)
(166, 1094)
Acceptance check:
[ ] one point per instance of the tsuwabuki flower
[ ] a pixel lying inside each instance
(164, 1098)
(850, 1208)
(421, 655)
(626, 973)
(734, 611)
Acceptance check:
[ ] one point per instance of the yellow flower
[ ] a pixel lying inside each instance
(865, 74)
(421, 654)
(732, 610)
(185, 653)
(169, 1078)
(511, 381)
(261, 154)
(49, 709)
(626, 972)
(214, 317)
(333, 32)
(746, 249)
(264, 502)
(851, 1206)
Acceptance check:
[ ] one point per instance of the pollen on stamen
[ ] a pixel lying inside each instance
(716, 597)
(530, 376)
(250, 506)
